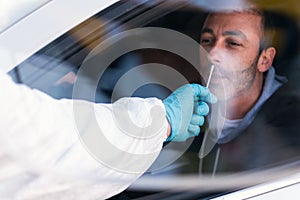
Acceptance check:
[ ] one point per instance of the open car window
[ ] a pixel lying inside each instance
(121, 64)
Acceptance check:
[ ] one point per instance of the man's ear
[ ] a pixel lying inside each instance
(266, 59)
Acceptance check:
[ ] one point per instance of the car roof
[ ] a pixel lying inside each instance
(12, 11)
(44, 21)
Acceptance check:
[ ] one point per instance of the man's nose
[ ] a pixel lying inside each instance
(215, 52)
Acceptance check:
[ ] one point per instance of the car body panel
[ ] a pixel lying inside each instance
(43, 25)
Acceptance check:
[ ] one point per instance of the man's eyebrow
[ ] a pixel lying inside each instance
(207, 30)
(226, 33)
(235, 33)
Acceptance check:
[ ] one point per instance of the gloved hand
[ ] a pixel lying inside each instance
(186, 108)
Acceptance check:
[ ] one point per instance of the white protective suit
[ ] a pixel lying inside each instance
(42, 153)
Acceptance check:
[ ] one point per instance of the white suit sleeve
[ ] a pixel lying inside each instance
(99, 149)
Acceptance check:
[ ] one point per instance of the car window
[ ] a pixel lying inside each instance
(121, 59)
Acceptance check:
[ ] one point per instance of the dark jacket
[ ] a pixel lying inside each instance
(272, 139)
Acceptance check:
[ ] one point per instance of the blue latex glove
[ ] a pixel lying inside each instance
(186, 108)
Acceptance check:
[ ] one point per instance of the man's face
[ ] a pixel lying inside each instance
(232, 42)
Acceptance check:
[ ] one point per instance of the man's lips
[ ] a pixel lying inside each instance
(217, 75)
(218, 78)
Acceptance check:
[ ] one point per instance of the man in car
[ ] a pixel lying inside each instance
(261, 109)
(262, 112)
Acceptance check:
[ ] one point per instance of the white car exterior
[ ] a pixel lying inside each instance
(30, 31)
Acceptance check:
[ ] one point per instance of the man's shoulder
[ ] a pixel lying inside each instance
(283, 105)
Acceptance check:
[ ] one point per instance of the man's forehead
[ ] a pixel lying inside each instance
(235, 14)
(233, 24)
(243, 19)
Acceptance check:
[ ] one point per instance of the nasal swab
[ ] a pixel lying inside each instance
(210, 75)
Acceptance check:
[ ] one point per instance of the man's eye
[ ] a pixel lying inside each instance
(206, 41)
(234, 44)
